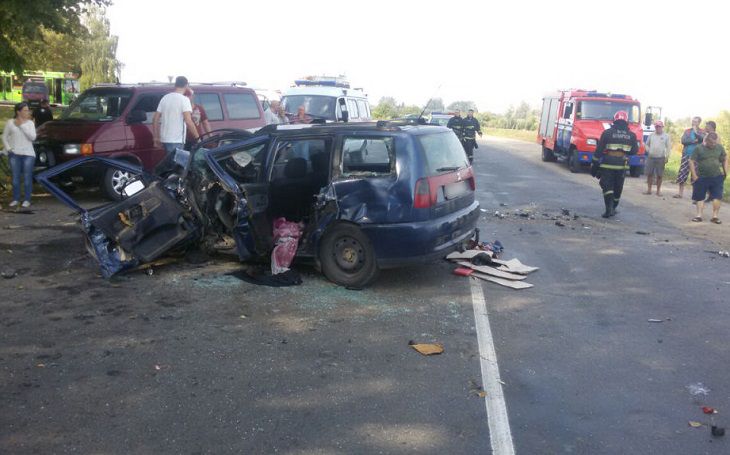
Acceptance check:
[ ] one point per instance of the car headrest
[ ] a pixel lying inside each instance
(295, 168)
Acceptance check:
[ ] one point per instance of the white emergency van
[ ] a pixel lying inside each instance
(327, 98)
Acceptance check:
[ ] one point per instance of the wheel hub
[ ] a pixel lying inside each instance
(349, 254)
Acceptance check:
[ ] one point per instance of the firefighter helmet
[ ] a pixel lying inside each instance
(621, 115)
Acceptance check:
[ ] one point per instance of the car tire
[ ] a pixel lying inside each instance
(347, 257)
(114, 181)
(636, 171)
(547, 154)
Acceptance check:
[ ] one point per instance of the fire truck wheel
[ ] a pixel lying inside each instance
(573, 163)
(547, 154)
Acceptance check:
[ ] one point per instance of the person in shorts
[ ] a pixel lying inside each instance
(658, 148)
(690, 139)
(708, 168)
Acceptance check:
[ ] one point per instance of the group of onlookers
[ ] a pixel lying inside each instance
(704, 161)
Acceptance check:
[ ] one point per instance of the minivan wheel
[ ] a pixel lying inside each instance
(114, 181)
(347, 257)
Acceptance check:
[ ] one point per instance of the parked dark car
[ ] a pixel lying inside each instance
(369, 196)
(115, 121)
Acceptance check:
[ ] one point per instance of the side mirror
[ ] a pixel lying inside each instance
(137, 116)
(343, 108)
(648, 118)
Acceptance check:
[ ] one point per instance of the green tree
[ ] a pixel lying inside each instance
(386, 108)
(55, 51)
(436, 105)
(24, 21)
(462, 106)
(99, 60)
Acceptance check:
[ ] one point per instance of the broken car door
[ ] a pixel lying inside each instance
(135, 230)
(240, 168)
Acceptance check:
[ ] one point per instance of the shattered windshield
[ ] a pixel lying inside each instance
(98, 105)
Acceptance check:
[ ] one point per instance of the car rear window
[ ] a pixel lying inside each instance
(241, 106)
(443, 153)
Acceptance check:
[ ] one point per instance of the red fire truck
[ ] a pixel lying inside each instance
(572, 122)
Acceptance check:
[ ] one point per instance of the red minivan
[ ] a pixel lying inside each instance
(115, 121)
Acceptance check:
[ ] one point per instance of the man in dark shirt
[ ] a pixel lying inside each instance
(456, 124)
(471, 129)
(610, 160)
(42, 113)
(708, 167)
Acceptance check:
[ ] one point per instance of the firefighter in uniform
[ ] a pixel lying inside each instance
(471, 128)
(610, 160)
(456, 124)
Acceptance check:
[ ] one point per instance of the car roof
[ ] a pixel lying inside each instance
(325, 91)
(145, 88)
(354, 127)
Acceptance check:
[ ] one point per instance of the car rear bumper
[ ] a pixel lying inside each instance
(412, 243)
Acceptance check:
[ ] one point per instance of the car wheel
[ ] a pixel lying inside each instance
(114, 181)
(347, 257)
(46, 159)
(636, 171)
(547, 154)
(573, 163)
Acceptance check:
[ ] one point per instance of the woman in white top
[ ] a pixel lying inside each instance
(18, 137)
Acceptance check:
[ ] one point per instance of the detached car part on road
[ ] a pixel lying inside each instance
(370, 196)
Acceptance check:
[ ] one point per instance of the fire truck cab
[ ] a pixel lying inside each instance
(572, 121)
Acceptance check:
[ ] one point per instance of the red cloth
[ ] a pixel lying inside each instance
(286, 240)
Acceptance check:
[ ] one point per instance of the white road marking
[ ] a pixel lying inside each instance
(499, 430)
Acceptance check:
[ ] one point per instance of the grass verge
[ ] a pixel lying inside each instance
(522, 135)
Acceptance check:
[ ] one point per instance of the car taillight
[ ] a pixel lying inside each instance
(423, 197)
(87, 149)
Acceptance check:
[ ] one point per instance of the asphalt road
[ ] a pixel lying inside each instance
(192, 360)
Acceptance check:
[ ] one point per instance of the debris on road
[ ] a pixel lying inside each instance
(492, 271)
(559, 223)
(514, 266)
(709, 410)
(698, 389)
(486, 266)
(655, 320)
(695, 424)
(643, 232)
(9, 273)
(717, 431)
(463, 271)
(507, 283)
(427, 348)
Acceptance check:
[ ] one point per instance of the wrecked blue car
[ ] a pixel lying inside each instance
(369, 196)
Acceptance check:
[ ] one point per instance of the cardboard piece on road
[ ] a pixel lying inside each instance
(492, 271)
(515, 266)
(427, 348)
(468, 255)
(507, 283)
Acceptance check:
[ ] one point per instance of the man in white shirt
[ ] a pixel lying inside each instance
(271, 115)
(658, 149)
(175, 111)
